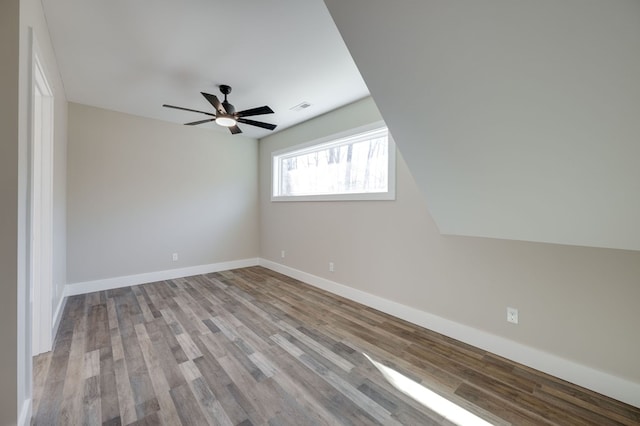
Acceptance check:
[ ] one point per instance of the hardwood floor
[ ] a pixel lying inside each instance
(253, 347)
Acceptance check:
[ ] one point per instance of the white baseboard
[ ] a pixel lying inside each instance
(596, 380)
(149, 277)
(25, 413)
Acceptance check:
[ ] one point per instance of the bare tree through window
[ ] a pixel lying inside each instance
(358, 164)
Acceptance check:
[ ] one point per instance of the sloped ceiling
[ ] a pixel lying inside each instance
(518, 119)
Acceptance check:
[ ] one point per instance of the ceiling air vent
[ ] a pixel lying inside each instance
(300, 106)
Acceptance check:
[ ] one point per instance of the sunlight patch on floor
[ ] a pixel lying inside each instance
(428, 398)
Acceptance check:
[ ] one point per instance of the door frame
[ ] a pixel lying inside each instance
(41, 205)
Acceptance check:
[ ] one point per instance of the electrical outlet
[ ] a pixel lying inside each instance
(174, 256)
(512, 315)
(282, 254)
(331, 268)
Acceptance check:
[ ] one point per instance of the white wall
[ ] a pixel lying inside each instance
(32, 16)
(579, 304)
(141, 189)
(33, 23)
(518, 119)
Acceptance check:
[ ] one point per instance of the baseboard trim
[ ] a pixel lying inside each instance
(581, 375)
(149, 277)
(25, 413)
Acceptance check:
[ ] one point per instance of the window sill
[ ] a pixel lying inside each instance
(372, 196)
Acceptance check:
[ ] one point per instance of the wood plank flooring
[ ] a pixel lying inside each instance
(253, 347)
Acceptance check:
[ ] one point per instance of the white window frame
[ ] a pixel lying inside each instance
(336, 139)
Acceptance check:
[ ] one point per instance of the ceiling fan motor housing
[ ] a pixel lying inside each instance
(228, 107)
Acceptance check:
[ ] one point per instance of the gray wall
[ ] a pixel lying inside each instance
(518, 119)
(9, 29)
(577, 303)
(141, 189)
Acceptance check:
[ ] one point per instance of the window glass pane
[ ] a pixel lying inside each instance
(354, 167)
(358, 164)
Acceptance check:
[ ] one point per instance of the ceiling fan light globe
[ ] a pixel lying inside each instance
(226, 121)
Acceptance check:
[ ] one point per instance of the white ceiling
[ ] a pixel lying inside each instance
(134, 56)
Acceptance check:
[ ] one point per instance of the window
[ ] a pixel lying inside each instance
(358, 165)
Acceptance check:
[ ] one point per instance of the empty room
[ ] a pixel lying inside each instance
(320, 212)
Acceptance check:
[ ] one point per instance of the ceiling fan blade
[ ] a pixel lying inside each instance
(213, 100)
(193, 123)
(257, 123)
(235, 130)
(188, 109)
(254, 111)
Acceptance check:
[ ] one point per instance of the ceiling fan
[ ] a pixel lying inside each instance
(226, 114)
